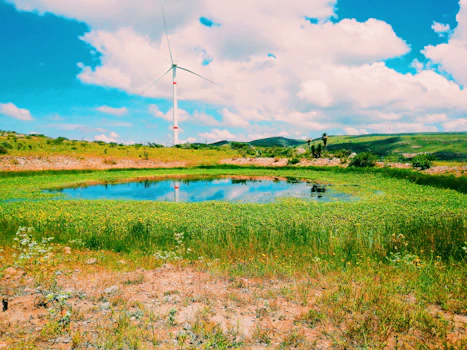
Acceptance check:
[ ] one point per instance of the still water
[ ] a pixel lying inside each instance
(207, 189)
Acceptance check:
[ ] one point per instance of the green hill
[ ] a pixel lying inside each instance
(276, 142)
(267, 142)
(445, 146)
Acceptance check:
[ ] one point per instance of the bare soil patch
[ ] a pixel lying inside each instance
(11, 163)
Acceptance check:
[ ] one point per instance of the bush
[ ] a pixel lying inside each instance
(59, 140)
(6, 145)
(422, 161)
(3, 150)
(364, 160)
(293, 161)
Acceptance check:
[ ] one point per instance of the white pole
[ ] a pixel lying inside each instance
(176, 190)
(175, 109)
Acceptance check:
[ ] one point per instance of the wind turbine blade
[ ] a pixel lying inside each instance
(189, 71)
(167, 35)
(134, 98)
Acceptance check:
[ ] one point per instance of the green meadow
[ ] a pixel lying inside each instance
(409, 237)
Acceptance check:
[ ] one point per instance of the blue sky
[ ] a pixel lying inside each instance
(66, 84)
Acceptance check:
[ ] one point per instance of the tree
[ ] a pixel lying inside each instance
(319, 150)
(422, 161)
(363, 160)
(313, 151)
(308, 140)
(325, 139)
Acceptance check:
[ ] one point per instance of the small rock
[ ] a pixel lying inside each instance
(110, 290)
(11, 271)
(352, 155)
(66, 339)
(301, 150)
(91, 261)
(67, 250)
(122, 262)
(105, 306)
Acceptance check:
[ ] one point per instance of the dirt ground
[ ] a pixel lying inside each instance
(170, 307)
(251, 312)
(10, 163)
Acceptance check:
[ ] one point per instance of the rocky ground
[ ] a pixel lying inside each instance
(32, 163)
(88, 306)
(11, 163)
(82, 301)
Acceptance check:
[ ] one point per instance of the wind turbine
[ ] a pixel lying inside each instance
(173, 68)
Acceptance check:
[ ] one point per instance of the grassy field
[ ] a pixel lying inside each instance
(388, 266)
(41, 146)
(445, 146)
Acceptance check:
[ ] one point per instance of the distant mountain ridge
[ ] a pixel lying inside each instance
(443, 145)
(278, 141)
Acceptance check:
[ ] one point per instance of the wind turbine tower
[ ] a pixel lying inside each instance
(173, 68)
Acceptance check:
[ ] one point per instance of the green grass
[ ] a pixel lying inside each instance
(378, 262)
(445, 146)
(42, 146)
(432, 221)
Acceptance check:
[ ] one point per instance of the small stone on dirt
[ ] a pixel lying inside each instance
(105, 306)
(91, 261)
(301, 150)
(110, 290)
(67, 250)
(11, 271)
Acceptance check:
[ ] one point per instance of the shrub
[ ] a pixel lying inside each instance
(422, 161)
(363, 160)
(3, 150)
(59, 140)
(6, 145)
(293, 161)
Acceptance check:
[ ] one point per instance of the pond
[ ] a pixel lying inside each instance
(242, 190)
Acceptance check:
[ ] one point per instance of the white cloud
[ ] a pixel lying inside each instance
(354, 131)
(10, 110)
(111, 138)
(394, 128)
(234, 120)
(441, 28)
(452, 56)
(326, 75)
(217, 135)
(200, 118)
(456, 125)
(419, 66)
(113, 111)
(432, 118)
(316, 92)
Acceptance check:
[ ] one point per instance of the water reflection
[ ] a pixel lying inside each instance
(208, 189)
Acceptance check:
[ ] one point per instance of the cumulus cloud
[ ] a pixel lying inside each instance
(217, 135)
(325, 75)
(199, 118)
(113, 137)
(432, 118)
(10, 110)
(440, 28)
(452, 56)
(354, 131)
(456, 125)
(113, 111)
